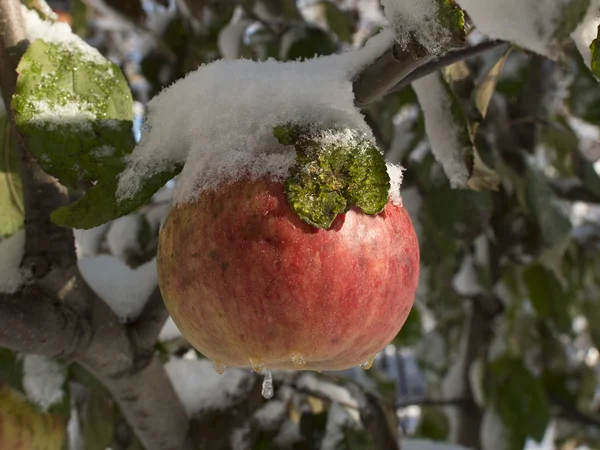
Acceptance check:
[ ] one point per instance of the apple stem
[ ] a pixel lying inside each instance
(267, 386)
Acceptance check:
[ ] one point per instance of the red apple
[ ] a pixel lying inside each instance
(250, 285)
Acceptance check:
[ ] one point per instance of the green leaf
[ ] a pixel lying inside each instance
(411, 331)
(11, 369)
(79, 14)
(331, 175)
(75, 110)
(100, 204)
(547, 296)
(337, 21)
(594, 48)
(303, 42)
(572, 14)
(520, 400)
(542, 202)
(11, 192)
(98, 421)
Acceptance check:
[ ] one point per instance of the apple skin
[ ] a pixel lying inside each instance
(245, 279)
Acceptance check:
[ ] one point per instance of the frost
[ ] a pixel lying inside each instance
(199, 387)
(43, 380)
(12, 250)
(531, 24)
(123, 289)
(270, 415)
(587, 31)
(57, 33)
(416, 20)
(193, 120)
(443, 132)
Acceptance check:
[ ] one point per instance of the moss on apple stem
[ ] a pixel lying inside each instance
(335, 170)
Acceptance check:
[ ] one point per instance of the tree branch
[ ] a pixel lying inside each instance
(150, 322)
(449, 58)
(379, 78)
(47, 245)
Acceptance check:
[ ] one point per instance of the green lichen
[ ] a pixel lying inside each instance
(452, 18)
(334, 171)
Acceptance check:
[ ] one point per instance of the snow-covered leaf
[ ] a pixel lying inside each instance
(547, 296)
(450, 135)
(430, 25)
(45, 383)
(123, 289)
(75, 110)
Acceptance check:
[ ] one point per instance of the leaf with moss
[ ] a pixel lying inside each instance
(334, 171)
(100, 204)
(75, 109)
(452, 18)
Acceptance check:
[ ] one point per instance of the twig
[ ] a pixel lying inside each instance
(446, 60)
(570, 412)
(433, 402)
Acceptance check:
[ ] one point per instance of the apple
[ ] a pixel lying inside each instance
(251, 285)
(22, 427)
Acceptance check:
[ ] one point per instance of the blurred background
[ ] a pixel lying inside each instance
(500, 350)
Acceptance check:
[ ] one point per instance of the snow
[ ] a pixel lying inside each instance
(531, 24)
(169, 331)
(465, 282)
(416, 20)
(332, 391)
(122, 237)
(12, 250)
(43, 380)
(493, 433)
(270, 415)
(124, 289)
(57, 33)
(442, 131)
(199, 387)
(587, 31)
(337, 420)
(193, 120)
(87, 242)
(289, 434)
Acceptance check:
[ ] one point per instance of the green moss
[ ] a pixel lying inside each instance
(334, 171)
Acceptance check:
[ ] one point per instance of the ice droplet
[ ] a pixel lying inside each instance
(298, 360)
(256, 364)
(267, 386)
(219, 367)
(368, 363)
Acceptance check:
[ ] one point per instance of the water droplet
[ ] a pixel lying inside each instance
(267, 386)
(368, 363)
(257, 364)
(219, 367)
(298, 360)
